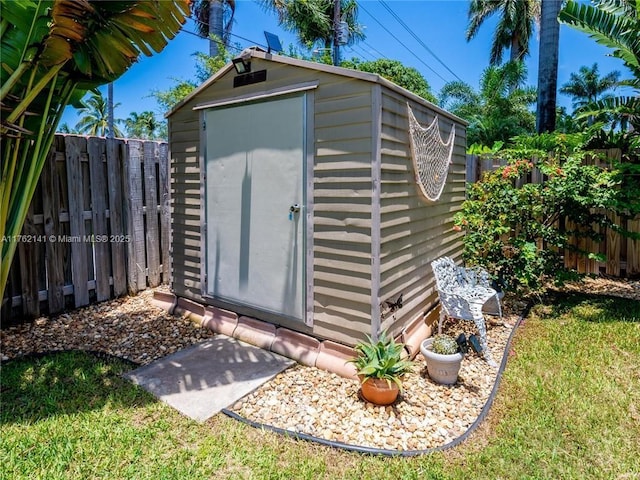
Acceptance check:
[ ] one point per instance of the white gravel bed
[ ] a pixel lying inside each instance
(427, 415)
(128, 327)
(301, 399)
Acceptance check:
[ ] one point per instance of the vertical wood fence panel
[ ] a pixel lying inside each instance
(99, 206)
(79, 274)
(135, 217)
(165, 208)
(152, 240)
(115, 151)
(51, 219)
(99, 216)
(622, 254)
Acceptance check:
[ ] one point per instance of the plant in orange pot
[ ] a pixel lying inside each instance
(381, 368)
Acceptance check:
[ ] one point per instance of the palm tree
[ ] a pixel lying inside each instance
(548, 66)
(211, 23)
(587, 86)
(514, 28)
(142, 125)
(615, 24)
(312, 20)
(94, 118)
(52, 53)
(499, 110)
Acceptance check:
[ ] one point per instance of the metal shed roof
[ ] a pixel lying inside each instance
(321, 67)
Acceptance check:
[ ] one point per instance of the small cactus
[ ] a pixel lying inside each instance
(444, 345)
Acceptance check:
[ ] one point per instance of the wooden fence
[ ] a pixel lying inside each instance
(622, 253)
(97, 228)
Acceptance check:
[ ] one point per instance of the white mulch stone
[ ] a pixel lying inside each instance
(427, 415)
(129, 327)
(301, 399)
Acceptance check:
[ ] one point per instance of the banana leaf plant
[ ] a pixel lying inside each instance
(53, 52)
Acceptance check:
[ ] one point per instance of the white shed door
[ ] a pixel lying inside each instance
(255, 205)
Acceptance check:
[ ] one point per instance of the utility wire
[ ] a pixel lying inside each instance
(400, 42)
(418, 39)
(251, 42)
(371, 47)
(361, 52)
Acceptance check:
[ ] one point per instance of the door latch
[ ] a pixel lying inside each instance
(295, 208)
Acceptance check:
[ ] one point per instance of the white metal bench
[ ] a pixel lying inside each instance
(463, 293)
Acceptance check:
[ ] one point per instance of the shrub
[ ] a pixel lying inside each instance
(519, 231)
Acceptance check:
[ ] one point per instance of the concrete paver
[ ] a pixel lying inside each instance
(201, 380)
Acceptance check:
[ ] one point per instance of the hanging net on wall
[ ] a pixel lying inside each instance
(431, 156)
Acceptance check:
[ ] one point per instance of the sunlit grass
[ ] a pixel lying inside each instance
(568, 407)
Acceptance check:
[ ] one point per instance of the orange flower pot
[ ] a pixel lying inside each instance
(378, 391)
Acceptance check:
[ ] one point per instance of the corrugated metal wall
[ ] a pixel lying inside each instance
(342, 211)
(413, 231)
(342, 195)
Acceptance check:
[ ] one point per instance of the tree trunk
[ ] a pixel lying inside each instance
(515, 49)
(110, 121)
(336, 26)
(548, 66)
(216, 26)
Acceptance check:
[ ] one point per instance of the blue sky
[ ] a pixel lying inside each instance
(440, 24)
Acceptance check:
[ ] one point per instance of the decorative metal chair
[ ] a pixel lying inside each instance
(463, 293)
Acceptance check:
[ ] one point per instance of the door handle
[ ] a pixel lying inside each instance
(294, 208)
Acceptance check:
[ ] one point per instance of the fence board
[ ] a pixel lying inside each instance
(51, 219)
(99, 203)
(29, 259)
(75, 186)
(633, 248)
(613, 249)
(137, 264)
(165, 208)
(116, 149)
(151, 199)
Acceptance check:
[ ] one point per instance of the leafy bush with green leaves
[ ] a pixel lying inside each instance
(381, 359)
(519, 230)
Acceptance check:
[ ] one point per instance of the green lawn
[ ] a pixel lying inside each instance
(568, 407)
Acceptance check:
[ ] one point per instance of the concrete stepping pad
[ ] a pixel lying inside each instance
(201, 380)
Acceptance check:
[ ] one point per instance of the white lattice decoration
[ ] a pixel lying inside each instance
(431, 156)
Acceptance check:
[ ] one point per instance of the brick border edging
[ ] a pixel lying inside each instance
(305, 349)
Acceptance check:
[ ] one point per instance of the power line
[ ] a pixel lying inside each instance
(251, 42)
(228, 47)
(363, 53)
(371, 47)
(418, 39)
(400, 42)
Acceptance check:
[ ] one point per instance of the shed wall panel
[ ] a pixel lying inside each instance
(342, 194)
(342, 210)
(414, 231)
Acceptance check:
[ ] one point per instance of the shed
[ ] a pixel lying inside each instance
(294, 198)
